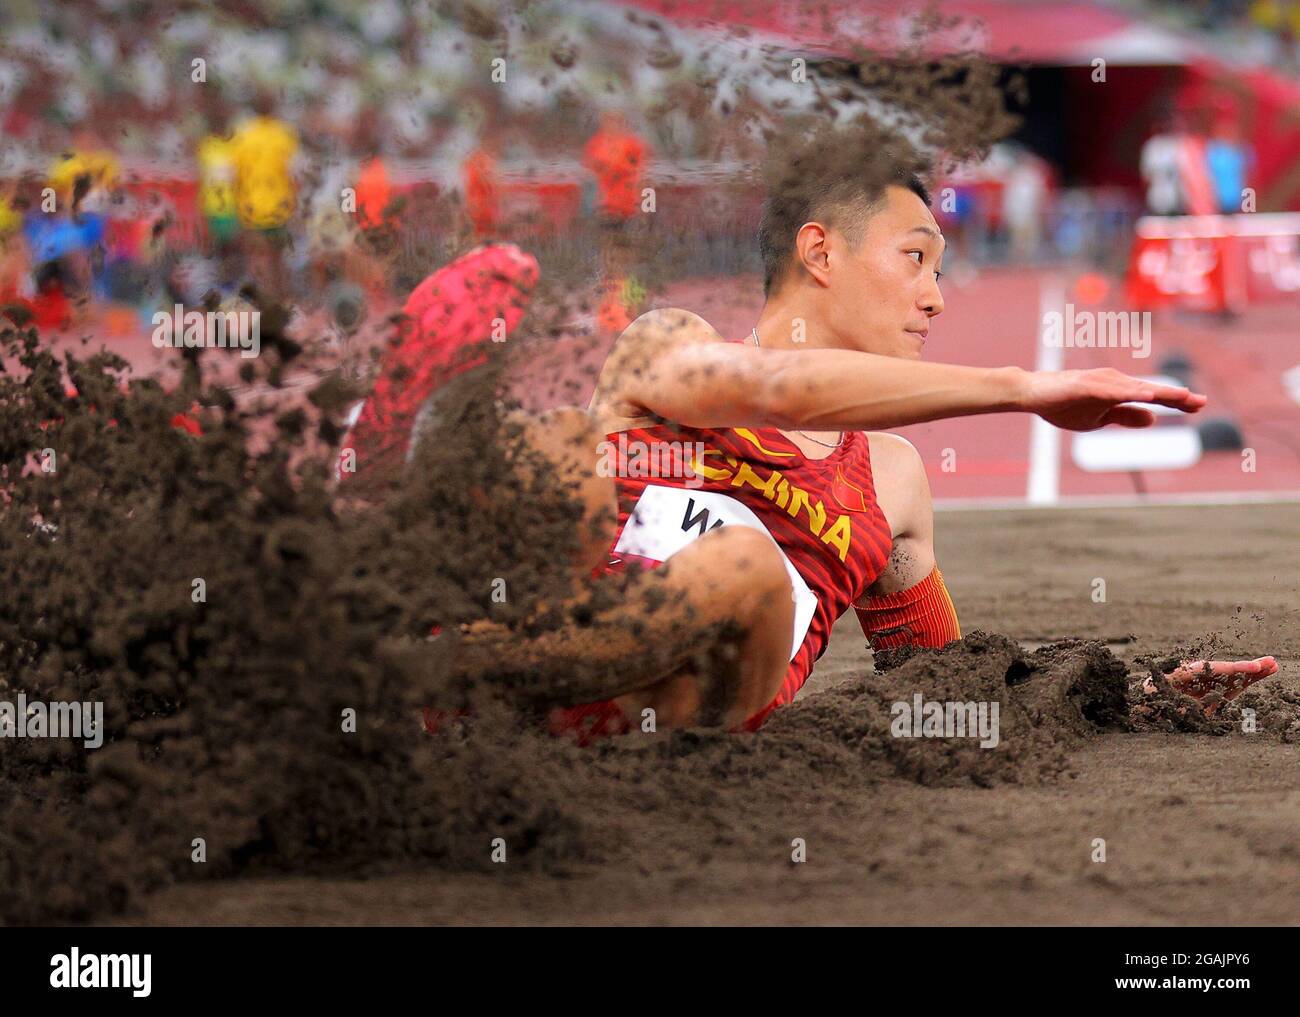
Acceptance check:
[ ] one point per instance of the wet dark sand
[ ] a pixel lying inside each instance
(1199, 829)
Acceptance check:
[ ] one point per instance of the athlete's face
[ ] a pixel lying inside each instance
(884, 293)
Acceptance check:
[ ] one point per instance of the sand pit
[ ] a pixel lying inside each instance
(698, 827)
(226, 717)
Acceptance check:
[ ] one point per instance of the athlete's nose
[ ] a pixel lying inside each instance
(931, 299)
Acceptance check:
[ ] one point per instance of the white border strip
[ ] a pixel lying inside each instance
(1044, 439)
(1076, 501)
(1206, 227)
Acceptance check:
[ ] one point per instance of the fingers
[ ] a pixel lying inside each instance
(1129, 416)
(1170, 395)
(1198, 678)
(1264, 667)
(1130, 389)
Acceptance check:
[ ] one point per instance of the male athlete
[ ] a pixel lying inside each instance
(783, 504)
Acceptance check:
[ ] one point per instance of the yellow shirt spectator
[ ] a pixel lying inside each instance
(10, 220)
(217, 177)
(1266, 14)
(99, 168)
(264, 191)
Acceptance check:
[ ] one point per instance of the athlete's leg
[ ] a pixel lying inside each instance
(732, 577)
(703, 639)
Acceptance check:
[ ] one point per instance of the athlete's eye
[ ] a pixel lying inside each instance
(920, 256)
(937, 275)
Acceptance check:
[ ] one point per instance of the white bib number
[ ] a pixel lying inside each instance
(666, 519)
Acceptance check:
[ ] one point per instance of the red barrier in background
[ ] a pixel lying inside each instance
(1214, 262)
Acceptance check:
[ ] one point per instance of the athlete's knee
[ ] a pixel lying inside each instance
(750, 563)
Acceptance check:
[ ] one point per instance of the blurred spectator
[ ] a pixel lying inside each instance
(216, 158)
(263, 150)
(1189, 174)
(1159, 165)
(11, 219)
(266, 192)
(618, 158)
(15, 286)
(373, 193)
(1027, 185)
(1194, 170)
(1281, 19)
(1228, 159)
(332, 228)
(83, 177)
(128, 235)
(373, 189)
(65, 239)
(482, 191)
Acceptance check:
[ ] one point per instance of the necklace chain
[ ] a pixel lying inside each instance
(816, 441)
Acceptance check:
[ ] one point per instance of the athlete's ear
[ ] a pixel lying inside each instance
(812, 249)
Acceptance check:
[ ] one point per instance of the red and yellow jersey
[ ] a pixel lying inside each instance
(263, 151)
(822, 515)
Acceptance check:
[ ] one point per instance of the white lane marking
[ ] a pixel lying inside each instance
(1123, 501)
(1044, 439)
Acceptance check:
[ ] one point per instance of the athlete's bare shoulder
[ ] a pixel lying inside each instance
(902, 487)
(891, 448)
(644, 346)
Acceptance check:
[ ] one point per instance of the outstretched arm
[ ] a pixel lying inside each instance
(672, 364)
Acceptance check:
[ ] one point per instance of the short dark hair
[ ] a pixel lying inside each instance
(840, 181)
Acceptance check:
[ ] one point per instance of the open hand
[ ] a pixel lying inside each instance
(1229, 678)
(1087, 400)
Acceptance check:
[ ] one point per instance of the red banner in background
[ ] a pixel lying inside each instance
(1272, 266)
(1214, 262)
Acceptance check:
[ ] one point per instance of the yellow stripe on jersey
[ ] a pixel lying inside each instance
(752, 438)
